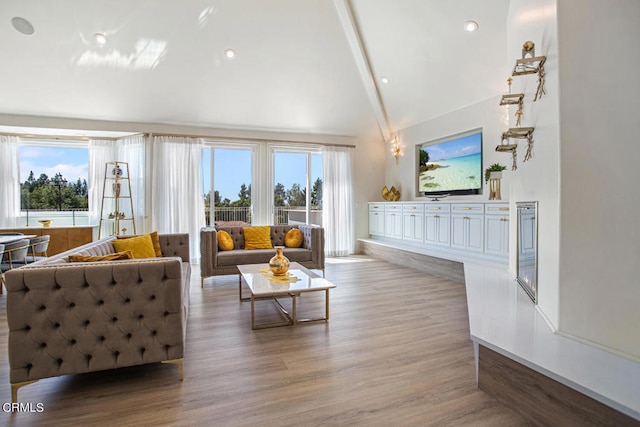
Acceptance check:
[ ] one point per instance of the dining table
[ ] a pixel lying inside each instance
(10, 238)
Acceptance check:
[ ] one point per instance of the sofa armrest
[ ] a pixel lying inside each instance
(208, 251)
(176, 244)
(314, 240)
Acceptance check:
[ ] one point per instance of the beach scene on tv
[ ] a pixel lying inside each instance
(451, 165)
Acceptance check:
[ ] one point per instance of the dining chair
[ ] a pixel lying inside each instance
(38, 248)
(14, 256)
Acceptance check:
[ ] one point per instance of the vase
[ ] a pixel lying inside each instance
(279, 264)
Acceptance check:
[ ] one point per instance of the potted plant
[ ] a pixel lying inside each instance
(493, 172)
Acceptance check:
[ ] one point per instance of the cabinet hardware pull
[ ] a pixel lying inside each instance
(413, 216)
(503, 209)
(436, 216)
(436, 209)
(466, 209)
(466, 217)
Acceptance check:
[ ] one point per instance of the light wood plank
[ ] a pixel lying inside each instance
(396, 351)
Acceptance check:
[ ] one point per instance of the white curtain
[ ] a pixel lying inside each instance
(9, 181)
(178, 205)
(100, 152)
(337, 201)
(132, 150)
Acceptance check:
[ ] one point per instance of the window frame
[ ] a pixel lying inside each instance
(58, 142)
(309, 150)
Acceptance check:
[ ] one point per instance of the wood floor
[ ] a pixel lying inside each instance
(396, 351)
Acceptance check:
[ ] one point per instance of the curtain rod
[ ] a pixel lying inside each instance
(247, 139)
(68, 137)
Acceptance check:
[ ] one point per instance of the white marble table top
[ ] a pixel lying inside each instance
(299, 279)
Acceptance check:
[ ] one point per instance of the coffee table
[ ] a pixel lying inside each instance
(263, 285)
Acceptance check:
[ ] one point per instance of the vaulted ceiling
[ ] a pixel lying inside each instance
(312, 66)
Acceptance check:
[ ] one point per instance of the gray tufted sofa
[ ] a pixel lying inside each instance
(70, 318)
(214, 262)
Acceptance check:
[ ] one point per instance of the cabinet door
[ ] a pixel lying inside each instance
(412, 227)
(467, 232)
(496, 235)
(431, 228)
(475, 233)
(443, 230)
(458, 231)
(390, 228)
(376, 223)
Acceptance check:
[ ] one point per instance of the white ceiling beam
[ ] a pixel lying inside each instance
(361, 58)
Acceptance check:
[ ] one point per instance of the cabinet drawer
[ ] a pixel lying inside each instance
(437, 207)
(467, 208)
(411, 208)
(496, 209)
(393, 208)
(376, 207)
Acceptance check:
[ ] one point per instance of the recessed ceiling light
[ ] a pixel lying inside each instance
(384, 80)
(230, 53)
(100, 38)
(471, 26)
(22, 25)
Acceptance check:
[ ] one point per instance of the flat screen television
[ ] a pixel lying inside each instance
(451, 165)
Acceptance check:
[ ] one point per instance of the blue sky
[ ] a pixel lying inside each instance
(466, 146)
(72, 163)
(233, 167)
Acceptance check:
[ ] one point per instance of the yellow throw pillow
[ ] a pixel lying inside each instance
(293, 238)
(225, 242)
(94, 258)
(154, 238)
(140, 246)
(257, 237)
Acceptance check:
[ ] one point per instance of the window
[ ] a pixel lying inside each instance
(294, 174)
(228, 172)
(53, 178)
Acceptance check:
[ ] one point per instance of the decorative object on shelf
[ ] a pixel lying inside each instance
(396, 150)
(493, 175)
(279, 264)
(505, 147)
(531, 64)
(496, 167)
(390, 195)
(117, 202)
(45, 222)
(528, 49)
(523, 133)
(513, 99)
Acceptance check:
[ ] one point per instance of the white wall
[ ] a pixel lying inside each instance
(539, 178)
(487, 114)
(599, 45)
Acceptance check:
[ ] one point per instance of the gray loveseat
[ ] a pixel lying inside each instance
(76, 317)
(214, 262)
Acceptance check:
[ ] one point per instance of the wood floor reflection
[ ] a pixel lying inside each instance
(396, 351)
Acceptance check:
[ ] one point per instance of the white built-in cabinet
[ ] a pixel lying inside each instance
(437, 224)
(376, 219)
(413, 222)
(478, 228)
(393, 221)
(467, 227)
(496, 230)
